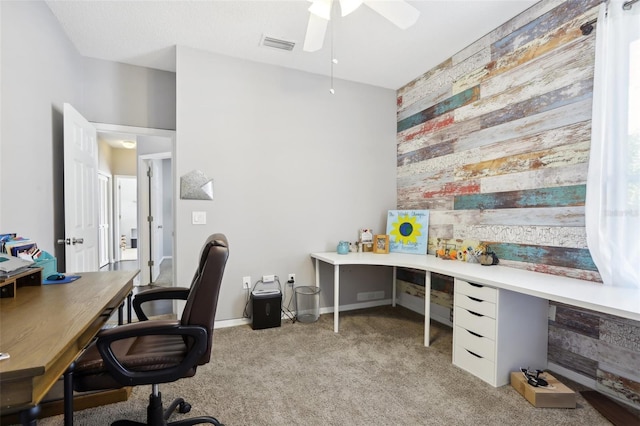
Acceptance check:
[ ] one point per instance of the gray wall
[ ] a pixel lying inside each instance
(134, 96)
(295, 169)
(40, 71)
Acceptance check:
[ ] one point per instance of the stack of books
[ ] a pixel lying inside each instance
(21, 247)
(16, 254)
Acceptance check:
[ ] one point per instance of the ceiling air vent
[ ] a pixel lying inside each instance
(277, 43)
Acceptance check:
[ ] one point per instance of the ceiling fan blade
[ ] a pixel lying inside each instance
(321, 8)
(316, 29)
(348, 6)
(400, 13)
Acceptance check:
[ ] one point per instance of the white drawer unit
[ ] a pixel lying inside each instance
(497, 331)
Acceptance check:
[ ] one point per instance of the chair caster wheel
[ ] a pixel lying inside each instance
(184, 407)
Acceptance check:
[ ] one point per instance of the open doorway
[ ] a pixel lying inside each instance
(121, 149)
(158, 212)
(126, 218)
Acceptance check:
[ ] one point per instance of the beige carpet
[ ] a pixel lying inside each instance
(375, 371)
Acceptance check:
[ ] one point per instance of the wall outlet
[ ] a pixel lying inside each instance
(246, 283)
(292, 278)
(268, 278)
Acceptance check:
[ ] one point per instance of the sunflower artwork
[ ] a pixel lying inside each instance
(408, 231)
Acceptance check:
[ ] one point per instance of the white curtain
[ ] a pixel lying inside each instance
(612, 212)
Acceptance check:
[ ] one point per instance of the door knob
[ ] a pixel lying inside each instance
(77, 240)
(63, 241)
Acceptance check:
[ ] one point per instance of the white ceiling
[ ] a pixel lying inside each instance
(369, 48)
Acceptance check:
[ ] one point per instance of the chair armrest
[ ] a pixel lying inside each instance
(161, 293)
(149, 328)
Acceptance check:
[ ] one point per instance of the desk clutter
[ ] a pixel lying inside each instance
(59, 279)
(465, 251)
(27, 251)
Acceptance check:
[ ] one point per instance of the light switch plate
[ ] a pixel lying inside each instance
(198, 218)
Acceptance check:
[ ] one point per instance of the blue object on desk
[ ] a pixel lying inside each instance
(65, 280)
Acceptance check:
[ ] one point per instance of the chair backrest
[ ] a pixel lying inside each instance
(203, 298)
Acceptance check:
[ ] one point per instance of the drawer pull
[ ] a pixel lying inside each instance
(476, 285)
(474, 354)
(475, 313)
(475, 299)
(475, 334)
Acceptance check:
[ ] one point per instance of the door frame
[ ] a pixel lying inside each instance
(147, 131)
(143, 205)
(109, 215)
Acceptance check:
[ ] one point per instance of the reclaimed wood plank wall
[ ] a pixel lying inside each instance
(495, 142)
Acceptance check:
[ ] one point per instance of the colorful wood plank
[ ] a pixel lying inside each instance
(618, 386)
(539, 28)
(557, 236)
(568, 272)
(561, 196)
(558, 256)
(455, 101)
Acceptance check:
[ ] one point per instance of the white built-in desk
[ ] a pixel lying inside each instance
(519, 299)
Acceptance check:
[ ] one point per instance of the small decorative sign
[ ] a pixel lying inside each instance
(408, 231)
(195, 185)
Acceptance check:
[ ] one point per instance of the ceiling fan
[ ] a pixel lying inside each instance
(399, 12)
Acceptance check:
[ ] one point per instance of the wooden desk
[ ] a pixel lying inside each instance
(28, 277)
(46, 327)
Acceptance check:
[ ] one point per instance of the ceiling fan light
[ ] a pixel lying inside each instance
(348, 6)
(321, 8)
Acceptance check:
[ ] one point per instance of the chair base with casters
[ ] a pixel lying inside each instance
(158, 416)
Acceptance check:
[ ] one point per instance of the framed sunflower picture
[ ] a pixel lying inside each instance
(408, 231)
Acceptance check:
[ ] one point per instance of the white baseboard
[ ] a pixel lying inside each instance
(438, 313)
(416, 304)
(231, 323)
(247, 321)
(354, 306)
(572, 375)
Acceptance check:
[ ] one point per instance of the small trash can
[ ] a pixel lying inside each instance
(307, 303)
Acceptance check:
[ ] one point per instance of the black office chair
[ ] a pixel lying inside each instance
(160, 351)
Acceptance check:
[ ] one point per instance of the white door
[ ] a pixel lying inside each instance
(80, 192)
(104, 227)
(155, 222)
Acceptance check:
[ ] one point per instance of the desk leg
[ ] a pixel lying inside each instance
(129, 307)
(393, 291)
(427, 307)
(68, 395)
(336, 297)
(121, 314)
(30, 417)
